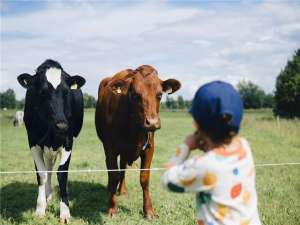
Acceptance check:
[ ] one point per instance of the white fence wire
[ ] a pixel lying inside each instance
(130, 169)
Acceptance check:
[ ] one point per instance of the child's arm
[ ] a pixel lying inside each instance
(183, 152)
(192, 175)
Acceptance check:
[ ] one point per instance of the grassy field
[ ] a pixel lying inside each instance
(272, 142)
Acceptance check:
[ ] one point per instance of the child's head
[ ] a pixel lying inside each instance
(217, 109)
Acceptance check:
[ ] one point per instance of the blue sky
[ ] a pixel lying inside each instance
(194, 42)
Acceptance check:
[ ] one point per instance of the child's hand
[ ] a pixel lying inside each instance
(192, 141)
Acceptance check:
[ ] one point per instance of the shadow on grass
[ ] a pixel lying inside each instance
(16, 198)
(88, 201)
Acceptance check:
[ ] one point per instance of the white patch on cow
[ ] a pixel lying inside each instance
(50, 154)
(49, 158)
(37, 155)
(41, 202)
(54, 76)
(64, 156)
(64, 213)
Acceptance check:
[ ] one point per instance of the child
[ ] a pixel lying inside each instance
(224, 176)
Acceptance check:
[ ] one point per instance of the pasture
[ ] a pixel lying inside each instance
(272, 142)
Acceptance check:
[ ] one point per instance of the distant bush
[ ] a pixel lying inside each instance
(253, 96)
(8, 99)
(174, 104)
(20, 104)
(89, 101)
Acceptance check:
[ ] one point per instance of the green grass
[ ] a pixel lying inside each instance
(272, 141)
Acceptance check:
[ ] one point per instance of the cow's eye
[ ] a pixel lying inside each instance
(45, 93)
(159, 96)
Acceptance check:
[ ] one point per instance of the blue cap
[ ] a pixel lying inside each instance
(214, 101)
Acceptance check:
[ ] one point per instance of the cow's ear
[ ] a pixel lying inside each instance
(75, 82)
(25, 80)
(121, 86)
(170, 86)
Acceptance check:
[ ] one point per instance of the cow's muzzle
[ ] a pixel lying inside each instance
(61, 127)
(152, 124)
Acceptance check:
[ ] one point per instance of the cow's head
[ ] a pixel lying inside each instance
(144, 90)
(50, 94)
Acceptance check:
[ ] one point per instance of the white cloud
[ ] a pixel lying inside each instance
(193, 44)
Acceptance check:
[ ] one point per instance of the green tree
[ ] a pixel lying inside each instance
(188, 104)
(287, 94)
(180, 102)
(20, 104)
(268, 101)
(89, 101)
(8, 99)
(253, 96)
(171, 103)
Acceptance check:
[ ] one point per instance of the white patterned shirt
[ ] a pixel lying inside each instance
(224, 180)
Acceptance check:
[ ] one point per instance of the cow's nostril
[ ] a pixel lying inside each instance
(62, 126)
(148, 122)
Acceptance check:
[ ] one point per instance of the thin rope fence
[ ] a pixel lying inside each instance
(130, 169)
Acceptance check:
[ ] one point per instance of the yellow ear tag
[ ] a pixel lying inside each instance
(74, 86)
(25, 82)
(119, 91)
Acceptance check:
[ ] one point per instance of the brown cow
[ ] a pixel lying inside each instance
(127, 114)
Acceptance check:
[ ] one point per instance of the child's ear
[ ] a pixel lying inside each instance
(170, 86)
(226, 117)
(25, 80)
(75, 82)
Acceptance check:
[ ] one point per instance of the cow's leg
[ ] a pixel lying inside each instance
(49, 158)
(122, 186)
(37, 155)
(113, 181)
(62, 182)
(146, 159)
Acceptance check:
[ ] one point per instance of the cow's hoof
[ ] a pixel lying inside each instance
(150, 214)
(40, 209)
(64, 220)
(64, 213)
(40, 213)
(112, 212)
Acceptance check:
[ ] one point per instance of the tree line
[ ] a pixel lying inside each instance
(285, 101)
(253, 96)
(8, 100)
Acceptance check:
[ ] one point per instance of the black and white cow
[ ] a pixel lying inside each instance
(18, 119)
(53, 115)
